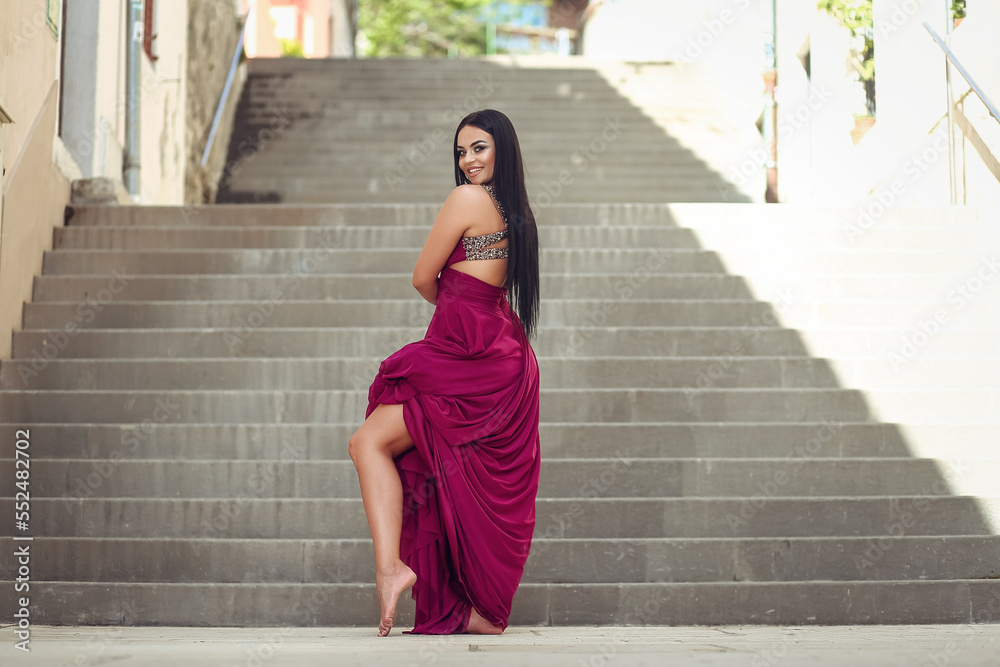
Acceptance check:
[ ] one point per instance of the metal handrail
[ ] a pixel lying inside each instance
(225, 92)
(965, 74)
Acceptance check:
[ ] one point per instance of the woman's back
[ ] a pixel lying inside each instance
(485, 221)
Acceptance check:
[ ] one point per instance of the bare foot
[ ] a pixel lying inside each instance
(389, 586)
(480, 626)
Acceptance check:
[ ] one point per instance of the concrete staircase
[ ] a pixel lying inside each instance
(381, 130)
(190, 377)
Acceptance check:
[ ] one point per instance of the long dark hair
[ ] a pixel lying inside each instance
(508, 183)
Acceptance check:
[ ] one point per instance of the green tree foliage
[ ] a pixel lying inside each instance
(958, 9)
(292, 48)
(418, 28)
(422, 27)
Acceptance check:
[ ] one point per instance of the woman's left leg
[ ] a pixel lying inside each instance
(373, 447)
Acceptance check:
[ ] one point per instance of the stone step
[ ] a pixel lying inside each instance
(283, 106)
(811, 263)
(611, 140)
(602, 179)
(424, 83)
(369, 260)
(615, 476)
(319, 286)
(551, 260)
(925, 373)
(308, 442)
(449, 102)
(789, 218)
(949, 291)
(107, 237)
(382, 189)
(375, 191)
(429, 74)
(356, 373)
(320, 373)
(263, 102)
(433, 166)
(322, 561)
(281, 311)
(250, 517)
(699, 603)
(574, 158)
(561, 405)
(528, 64)
(436, 176)
(882, 342)
(612, 136)
(449, 84)
(284, 310)
(362, 103)
(579, 151)
(752, 339)
(429, 80)
(412, 237)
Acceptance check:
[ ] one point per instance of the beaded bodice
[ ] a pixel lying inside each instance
(475, 247)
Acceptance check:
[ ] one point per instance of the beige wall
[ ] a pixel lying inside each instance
(34, 191)
(29, 59)
(39, 165)
(35, 196)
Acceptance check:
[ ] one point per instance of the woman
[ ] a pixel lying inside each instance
(448, 454)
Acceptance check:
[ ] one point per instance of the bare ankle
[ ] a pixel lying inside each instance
(392, 569)
(480, 626)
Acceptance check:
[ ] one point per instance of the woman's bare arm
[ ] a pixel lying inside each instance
(452, 222)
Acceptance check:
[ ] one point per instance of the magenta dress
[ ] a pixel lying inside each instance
(469, 392)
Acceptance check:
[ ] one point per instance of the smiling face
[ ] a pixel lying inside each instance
(476, 153)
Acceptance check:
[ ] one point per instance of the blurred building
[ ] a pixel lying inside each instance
(104, 101)
(307, 28)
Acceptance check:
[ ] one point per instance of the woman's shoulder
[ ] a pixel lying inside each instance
(468, 207)
(469, 201)
(469, 193)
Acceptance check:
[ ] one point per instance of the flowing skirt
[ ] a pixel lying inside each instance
(469, 392)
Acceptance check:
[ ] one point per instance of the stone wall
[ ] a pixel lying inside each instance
(213, 31)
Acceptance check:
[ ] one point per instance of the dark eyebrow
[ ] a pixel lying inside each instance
(477, 141)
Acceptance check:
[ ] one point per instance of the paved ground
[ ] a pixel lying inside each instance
(853, 646)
